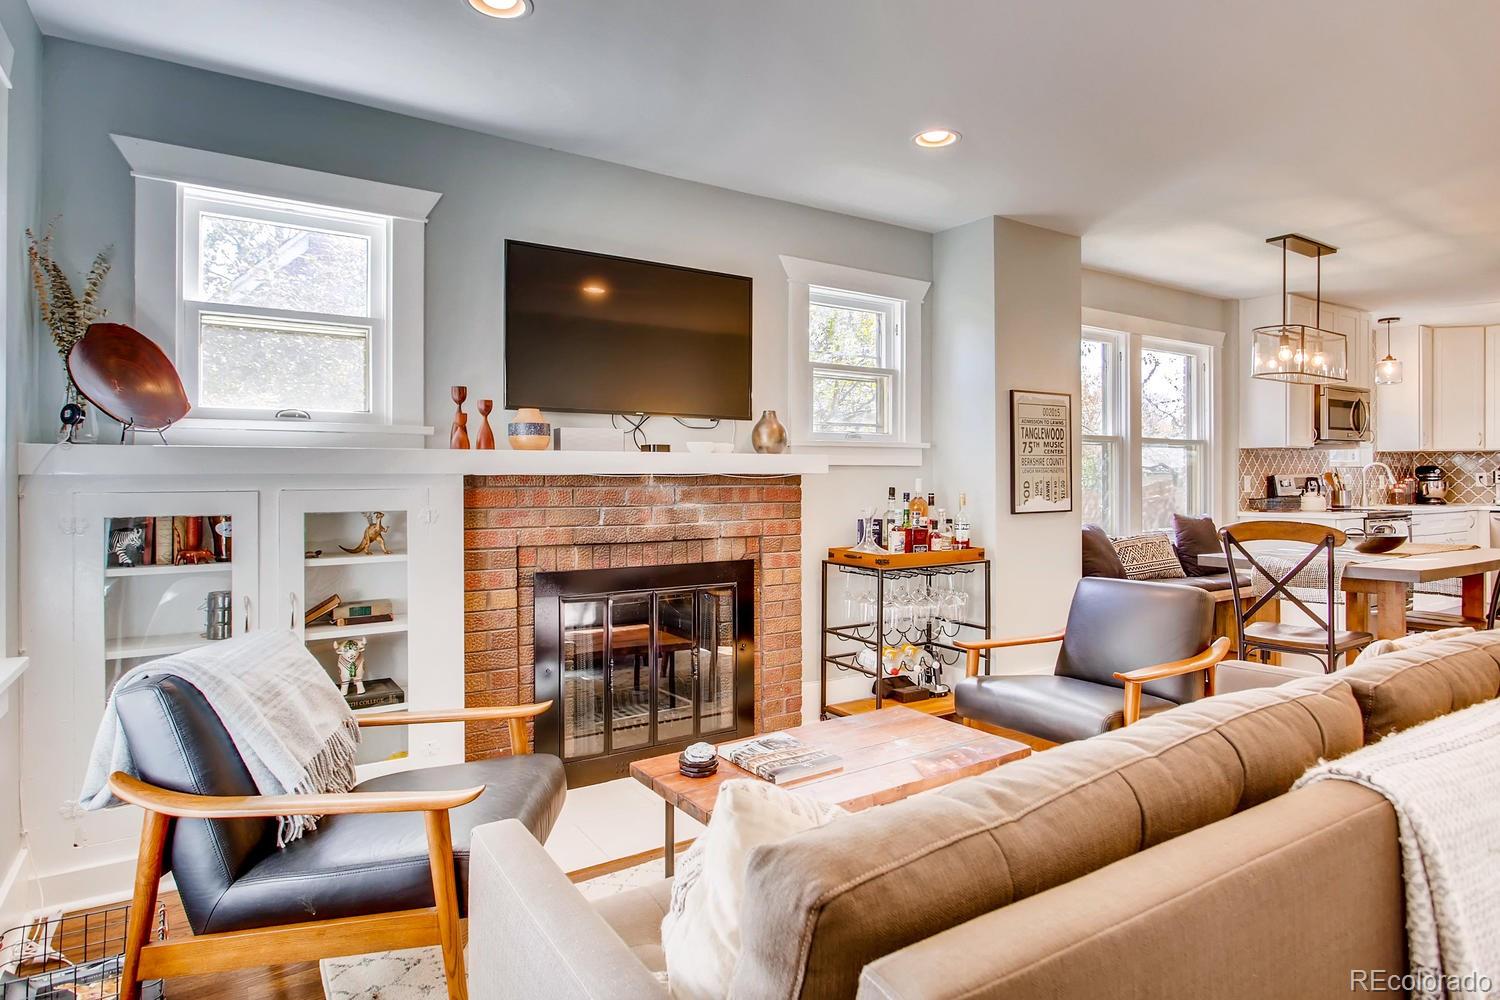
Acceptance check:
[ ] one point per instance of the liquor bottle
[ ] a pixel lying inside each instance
(896, 533)
(890, 521)
(961, 526)
(941, 537)
(919, 539)
(919, 502)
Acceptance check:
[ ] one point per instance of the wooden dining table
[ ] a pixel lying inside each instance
(1375, 585)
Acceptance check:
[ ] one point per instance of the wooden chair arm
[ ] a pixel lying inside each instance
(1204, 661)
(971, 666)
(514, 716)
(185, 805)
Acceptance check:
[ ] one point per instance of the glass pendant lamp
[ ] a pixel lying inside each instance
(1389, 370)
(1297, 352)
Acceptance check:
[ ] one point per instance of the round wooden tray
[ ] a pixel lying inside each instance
(128, 377)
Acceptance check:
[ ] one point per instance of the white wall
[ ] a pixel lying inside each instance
(21, 169)
(1006, 316)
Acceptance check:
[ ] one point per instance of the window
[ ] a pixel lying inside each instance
(283, 308)
(854, 347)
(290, 300)
(855, 363)
(1147, 417)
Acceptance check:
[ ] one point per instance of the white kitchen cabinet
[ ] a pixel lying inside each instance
(91, 614)
(1492, 387)
(1403, 412)
(1458, 388)
(1280, 414)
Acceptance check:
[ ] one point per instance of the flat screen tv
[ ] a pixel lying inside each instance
(588, 333)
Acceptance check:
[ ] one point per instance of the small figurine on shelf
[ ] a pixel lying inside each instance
(375, 530)
(458, 437)
(187, 538)
(351, 654)
(486, 438)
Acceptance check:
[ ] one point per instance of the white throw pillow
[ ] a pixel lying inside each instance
(1415, 639)
(700, 935)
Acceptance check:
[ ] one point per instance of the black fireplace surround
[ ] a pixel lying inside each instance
(642, 661)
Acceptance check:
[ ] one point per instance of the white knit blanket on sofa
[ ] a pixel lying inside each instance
(1443, 778)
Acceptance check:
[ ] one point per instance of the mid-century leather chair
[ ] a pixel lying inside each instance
(386, 868)
(1320, 639)
(1131, 648)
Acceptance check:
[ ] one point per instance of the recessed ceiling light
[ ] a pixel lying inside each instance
(595, 289)
(502, 8)
(935, 138)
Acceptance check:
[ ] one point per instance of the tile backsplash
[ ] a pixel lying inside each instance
(1459, 466)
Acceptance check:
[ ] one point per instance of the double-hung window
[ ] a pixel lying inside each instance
(284, 308)
(854, 352)
(290, 300)
(856, 363)
(1147, 427)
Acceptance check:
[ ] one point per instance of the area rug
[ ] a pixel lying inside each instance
(417, 973)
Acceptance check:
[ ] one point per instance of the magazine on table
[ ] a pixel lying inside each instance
(780, 758)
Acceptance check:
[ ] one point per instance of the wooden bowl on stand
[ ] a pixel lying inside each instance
(129, 378)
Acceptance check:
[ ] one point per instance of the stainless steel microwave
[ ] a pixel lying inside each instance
(1343, 414)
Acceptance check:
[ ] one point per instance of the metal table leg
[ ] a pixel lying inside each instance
(669, 859)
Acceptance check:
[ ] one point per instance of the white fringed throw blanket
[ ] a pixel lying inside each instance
(288, 720)
(1443, 778)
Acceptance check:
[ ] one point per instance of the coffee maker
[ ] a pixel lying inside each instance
(1432, 485)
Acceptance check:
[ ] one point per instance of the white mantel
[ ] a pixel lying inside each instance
(198, 460)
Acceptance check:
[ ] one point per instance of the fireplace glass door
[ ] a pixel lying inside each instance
(644, 670)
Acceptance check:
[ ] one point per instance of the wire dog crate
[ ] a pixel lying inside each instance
(77, 957)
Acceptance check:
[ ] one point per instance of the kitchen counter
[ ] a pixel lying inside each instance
(1413, 508)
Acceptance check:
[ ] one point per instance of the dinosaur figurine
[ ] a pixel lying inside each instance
(375, 530)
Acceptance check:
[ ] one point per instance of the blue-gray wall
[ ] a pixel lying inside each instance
(492, 189)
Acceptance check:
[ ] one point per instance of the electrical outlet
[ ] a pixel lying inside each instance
(1481, 479)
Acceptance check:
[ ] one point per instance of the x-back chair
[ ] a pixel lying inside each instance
(1319, 640)
(386, 868)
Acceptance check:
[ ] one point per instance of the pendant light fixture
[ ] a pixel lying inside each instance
(1388, 370)
(1297, 352)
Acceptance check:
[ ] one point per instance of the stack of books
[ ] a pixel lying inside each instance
(334, 610)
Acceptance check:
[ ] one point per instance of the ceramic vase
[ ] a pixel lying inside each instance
(529, 432)
(768, 436)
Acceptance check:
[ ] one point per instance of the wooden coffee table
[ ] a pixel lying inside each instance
(887, 756)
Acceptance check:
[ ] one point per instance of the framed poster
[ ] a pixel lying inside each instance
(1041, 452)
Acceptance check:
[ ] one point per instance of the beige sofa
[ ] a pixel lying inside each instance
(1164, 859)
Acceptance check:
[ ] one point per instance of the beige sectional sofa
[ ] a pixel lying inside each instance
(1164, 859)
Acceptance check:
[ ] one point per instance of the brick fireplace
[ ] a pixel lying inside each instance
(518, 526)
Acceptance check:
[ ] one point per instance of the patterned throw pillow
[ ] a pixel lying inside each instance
(1149, 556)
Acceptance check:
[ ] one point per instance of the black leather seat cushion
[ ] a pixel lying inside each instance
(377, 862)
(1212, 584)
(1055, 708)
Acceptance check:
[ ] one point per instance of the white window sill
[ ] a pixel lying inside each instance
(293, 433)
(870, 453)
(11, 670)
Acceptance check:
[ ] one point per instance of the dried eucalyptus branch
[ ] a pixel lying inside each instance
(66, 315)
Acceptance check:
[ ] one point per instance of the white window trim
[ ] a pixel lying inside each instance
(1117, 415)
(163, 171)
(905, 446)
(1131, 335)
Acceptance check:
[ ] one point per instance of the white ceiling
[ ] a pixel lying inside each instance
(1173, 135)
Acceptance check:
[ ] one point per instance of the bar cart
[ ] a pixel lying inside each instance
(899, 601)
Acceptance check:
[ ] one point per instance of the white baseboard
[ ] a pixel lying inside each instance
(18, 891)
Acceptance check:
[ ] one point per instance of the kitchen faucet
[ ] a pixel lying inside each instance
(1364, 492)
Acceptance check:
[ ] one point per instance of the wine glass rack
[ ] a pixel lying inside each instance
(877, 621)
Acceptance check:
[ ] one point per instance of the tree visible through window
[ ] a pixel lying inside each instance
(287, 301)
(853, 348)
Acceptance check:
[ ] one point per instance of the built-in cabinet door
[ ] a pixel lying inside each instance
(1492, 388)
(1458, 388)
(151, 574)
(408, 562)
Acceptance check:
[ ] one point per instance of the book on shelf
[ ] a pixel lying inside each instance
(321, 609)
(781, 758)
(162, 529)
(363, 620)
(379, 691)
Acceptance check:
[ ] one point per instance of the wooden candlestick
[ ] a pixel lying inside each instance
(458, 436)
(486, 438)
